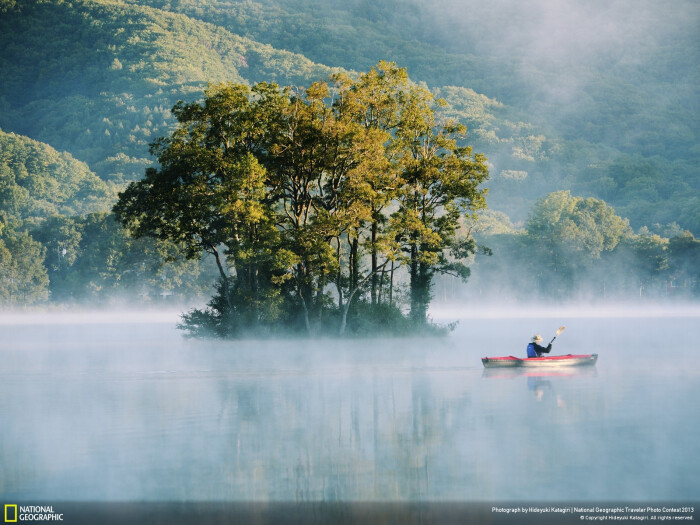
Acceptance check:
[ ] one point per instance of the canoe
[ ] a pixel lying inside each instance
(546, 362)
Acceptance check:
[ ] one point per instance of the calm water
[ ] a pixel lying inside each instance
(115, 408)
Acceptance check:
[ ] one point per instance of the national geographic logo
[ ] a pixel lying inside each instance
(13, 513)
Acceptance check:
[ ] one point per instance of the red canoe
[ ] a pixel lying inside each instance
(548, 361)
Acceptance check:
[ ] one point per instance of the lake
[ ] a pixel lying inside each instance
(115, 407)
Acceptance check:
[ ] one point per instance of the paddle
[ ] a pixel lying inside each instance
(561, 329)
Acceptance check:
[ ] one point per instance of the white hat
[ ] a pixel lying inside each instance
(536, 338)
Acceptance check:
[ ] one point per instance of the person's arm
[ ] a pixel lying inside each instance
(543, 350)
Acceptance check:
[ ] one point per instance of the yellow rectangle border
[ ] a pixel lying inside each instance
(14, 520)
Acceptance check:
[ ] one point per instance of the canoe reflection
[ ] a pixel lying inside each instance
(510, 373)
(539, 382)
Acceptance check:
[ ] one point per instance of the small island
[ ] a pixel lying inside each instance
(311, 201)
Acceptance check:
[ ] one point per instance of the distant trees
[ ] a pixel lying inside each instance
(23, 277)
(299, 186)
(684, 260)
(571, 247)
(110, 72)
(106, 95)
(92, 260)
(59, 244)
(38, 181)
(568, 235)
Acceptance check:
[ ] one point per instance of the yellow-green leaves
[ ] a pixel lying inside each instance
(308, 189)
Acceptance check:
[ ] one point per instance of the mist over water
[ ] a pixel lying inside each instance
(123, 408)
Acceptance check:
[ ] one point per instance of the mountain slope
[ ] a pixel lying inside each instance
(614, 87)
(38, 181)
(98, 78)
(575, 63)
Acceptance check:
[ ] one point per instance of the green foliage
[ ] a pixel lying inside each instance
(569, 235)
(38, 181)
(585, 226)
(684, 262)
(23, 277)
(575, 247)
(104, 86)
(52, 250)
(93, 260)
(545, 117)
(649, 256)
(285, 179)
(490, 223)
(98, 79)
(387, 320)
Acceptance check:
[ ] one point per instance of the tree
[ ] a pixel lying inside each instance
(567, 234)
(38, 181)
(183, 201)
(93, 259)
(439, 184)
(650, 258)
(289, 189)
(210, 193)
(684, 261)
(371, 106)
(61, 238)
(23, 277)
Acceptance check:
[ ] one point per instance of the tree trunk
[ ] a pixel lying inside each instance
(344, 313)
(425, 277)
(304, 293)
(306, 312)
(391, 285)
(381, 285)
(224, 278)
(339, 278)
(420, 286)
(373, 293)
(413, 282)
(319, 294)
(355, 263)
(254, 281)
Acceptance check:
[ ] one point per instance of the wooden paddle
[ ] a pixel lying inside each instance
(561, 329)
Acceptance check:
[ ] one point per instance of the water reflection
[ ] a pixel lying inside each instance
(511, 373)
(542, 384)
(120, 414)
(331, 439)
(300, 437)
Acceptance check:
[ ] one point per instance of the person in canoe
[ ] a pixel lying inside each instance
(534, 349)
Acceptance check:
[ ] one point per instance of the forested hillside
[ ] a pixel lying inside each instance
(599, 99)
(98, 79)
(38, 181)
(625, 132)
(615, 84)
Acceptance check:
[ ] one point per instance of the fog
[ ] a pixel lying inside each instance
(121, 407)
(569, 39)
(586, 30)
